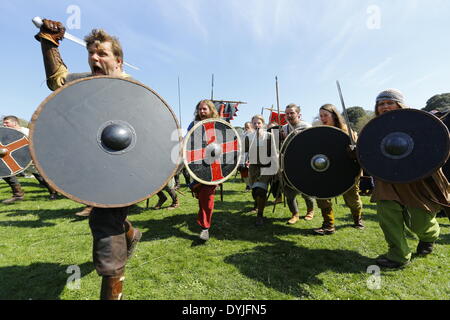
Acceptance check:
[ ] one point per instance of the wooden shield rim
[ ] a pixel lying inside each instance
(431, 171)
(29, 147)
(35, 117)
(186, 139)
(284, 172)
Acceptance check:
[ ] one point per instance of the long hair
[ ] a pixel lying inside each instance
(339, 121)
(212, 109)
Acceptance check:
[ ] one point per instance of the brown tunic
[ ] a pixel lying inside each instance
(423, 194)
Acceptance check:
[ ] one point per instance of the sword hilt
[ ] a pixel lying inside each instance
(37, 21)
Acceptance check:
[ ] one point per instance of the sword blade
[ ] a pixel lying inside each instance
(345, 115)
(70, 37)
(81, 42)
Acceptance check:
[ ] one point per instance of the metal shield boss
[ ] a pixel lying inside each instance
(211, 151)
(403, 146)
(15, 154)
(317, 162)
(105, 142)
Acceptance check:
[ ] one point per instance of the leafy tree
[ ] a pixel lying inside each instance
(439, 102)
(354, 114)
(362, 121)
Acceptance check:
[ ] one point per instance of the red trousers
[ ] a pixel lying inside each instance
(206, 205)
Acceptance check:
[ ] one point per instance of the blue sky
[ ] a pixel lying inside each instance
(367, 45)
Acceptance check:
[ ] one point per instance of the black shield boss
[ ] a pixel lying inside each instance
(403, 146)
(105, 142)
(212, 151)
(14, 152)
(317, 162)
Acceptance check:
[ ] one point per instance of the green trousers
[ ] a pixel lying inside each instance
(393, 218)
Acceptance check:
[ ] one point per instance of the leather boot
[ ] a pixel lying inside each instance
(173, 196)
(424, 248)
(328, 222)
(162, 198)
(112, 288)
(133, 236)
(357, 221)
(260, 204)
(17, 194)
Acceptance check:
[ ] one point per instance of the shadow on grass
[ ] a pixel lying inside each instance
(44, 216)
(38, 281)
(273, 264)
(225, 226)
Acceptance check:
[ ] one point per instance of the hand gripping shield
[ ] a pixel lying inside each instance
(403, 146)
(317, 162)
(212, 151)
(105, 142)
(15, 154)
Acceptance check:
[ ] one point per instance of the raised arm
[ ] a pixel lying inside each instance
(50, 35)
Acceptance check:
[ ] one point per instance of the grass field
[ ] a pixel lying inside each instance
(43, 246)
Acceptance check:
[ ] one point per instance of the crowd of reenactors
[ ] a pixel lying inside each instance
(114, 238)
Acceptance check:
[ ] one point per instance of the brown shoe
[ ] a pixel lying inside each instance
(85, 212)
(294, 219)
(325, 230)
(357, 222)
(12, 200)
(309, 215)
(174, 205)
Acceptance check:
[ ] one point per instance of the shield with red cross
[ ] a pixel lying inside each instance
(14, 152)
(212, 151)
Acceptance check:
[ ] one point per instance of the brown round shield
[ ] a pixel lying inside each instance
(14, 152)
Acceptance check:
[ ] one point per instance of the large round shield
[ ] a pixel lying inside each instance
(212, 151)
(445, 118)
(403, 146)
(105, 142)
(317, 162)
(14, 152)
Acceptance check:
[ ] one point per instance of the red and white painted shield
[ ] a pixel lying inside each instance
(212, 151)
(14, 152)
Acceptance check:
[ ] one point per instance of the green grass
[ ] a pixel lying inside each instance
(40, 239)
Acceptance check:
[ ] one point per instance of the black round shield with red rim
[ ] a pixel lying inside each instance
(14, 152)
(105, 142)
(212, 151)
(317, 162)
(403, 145)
